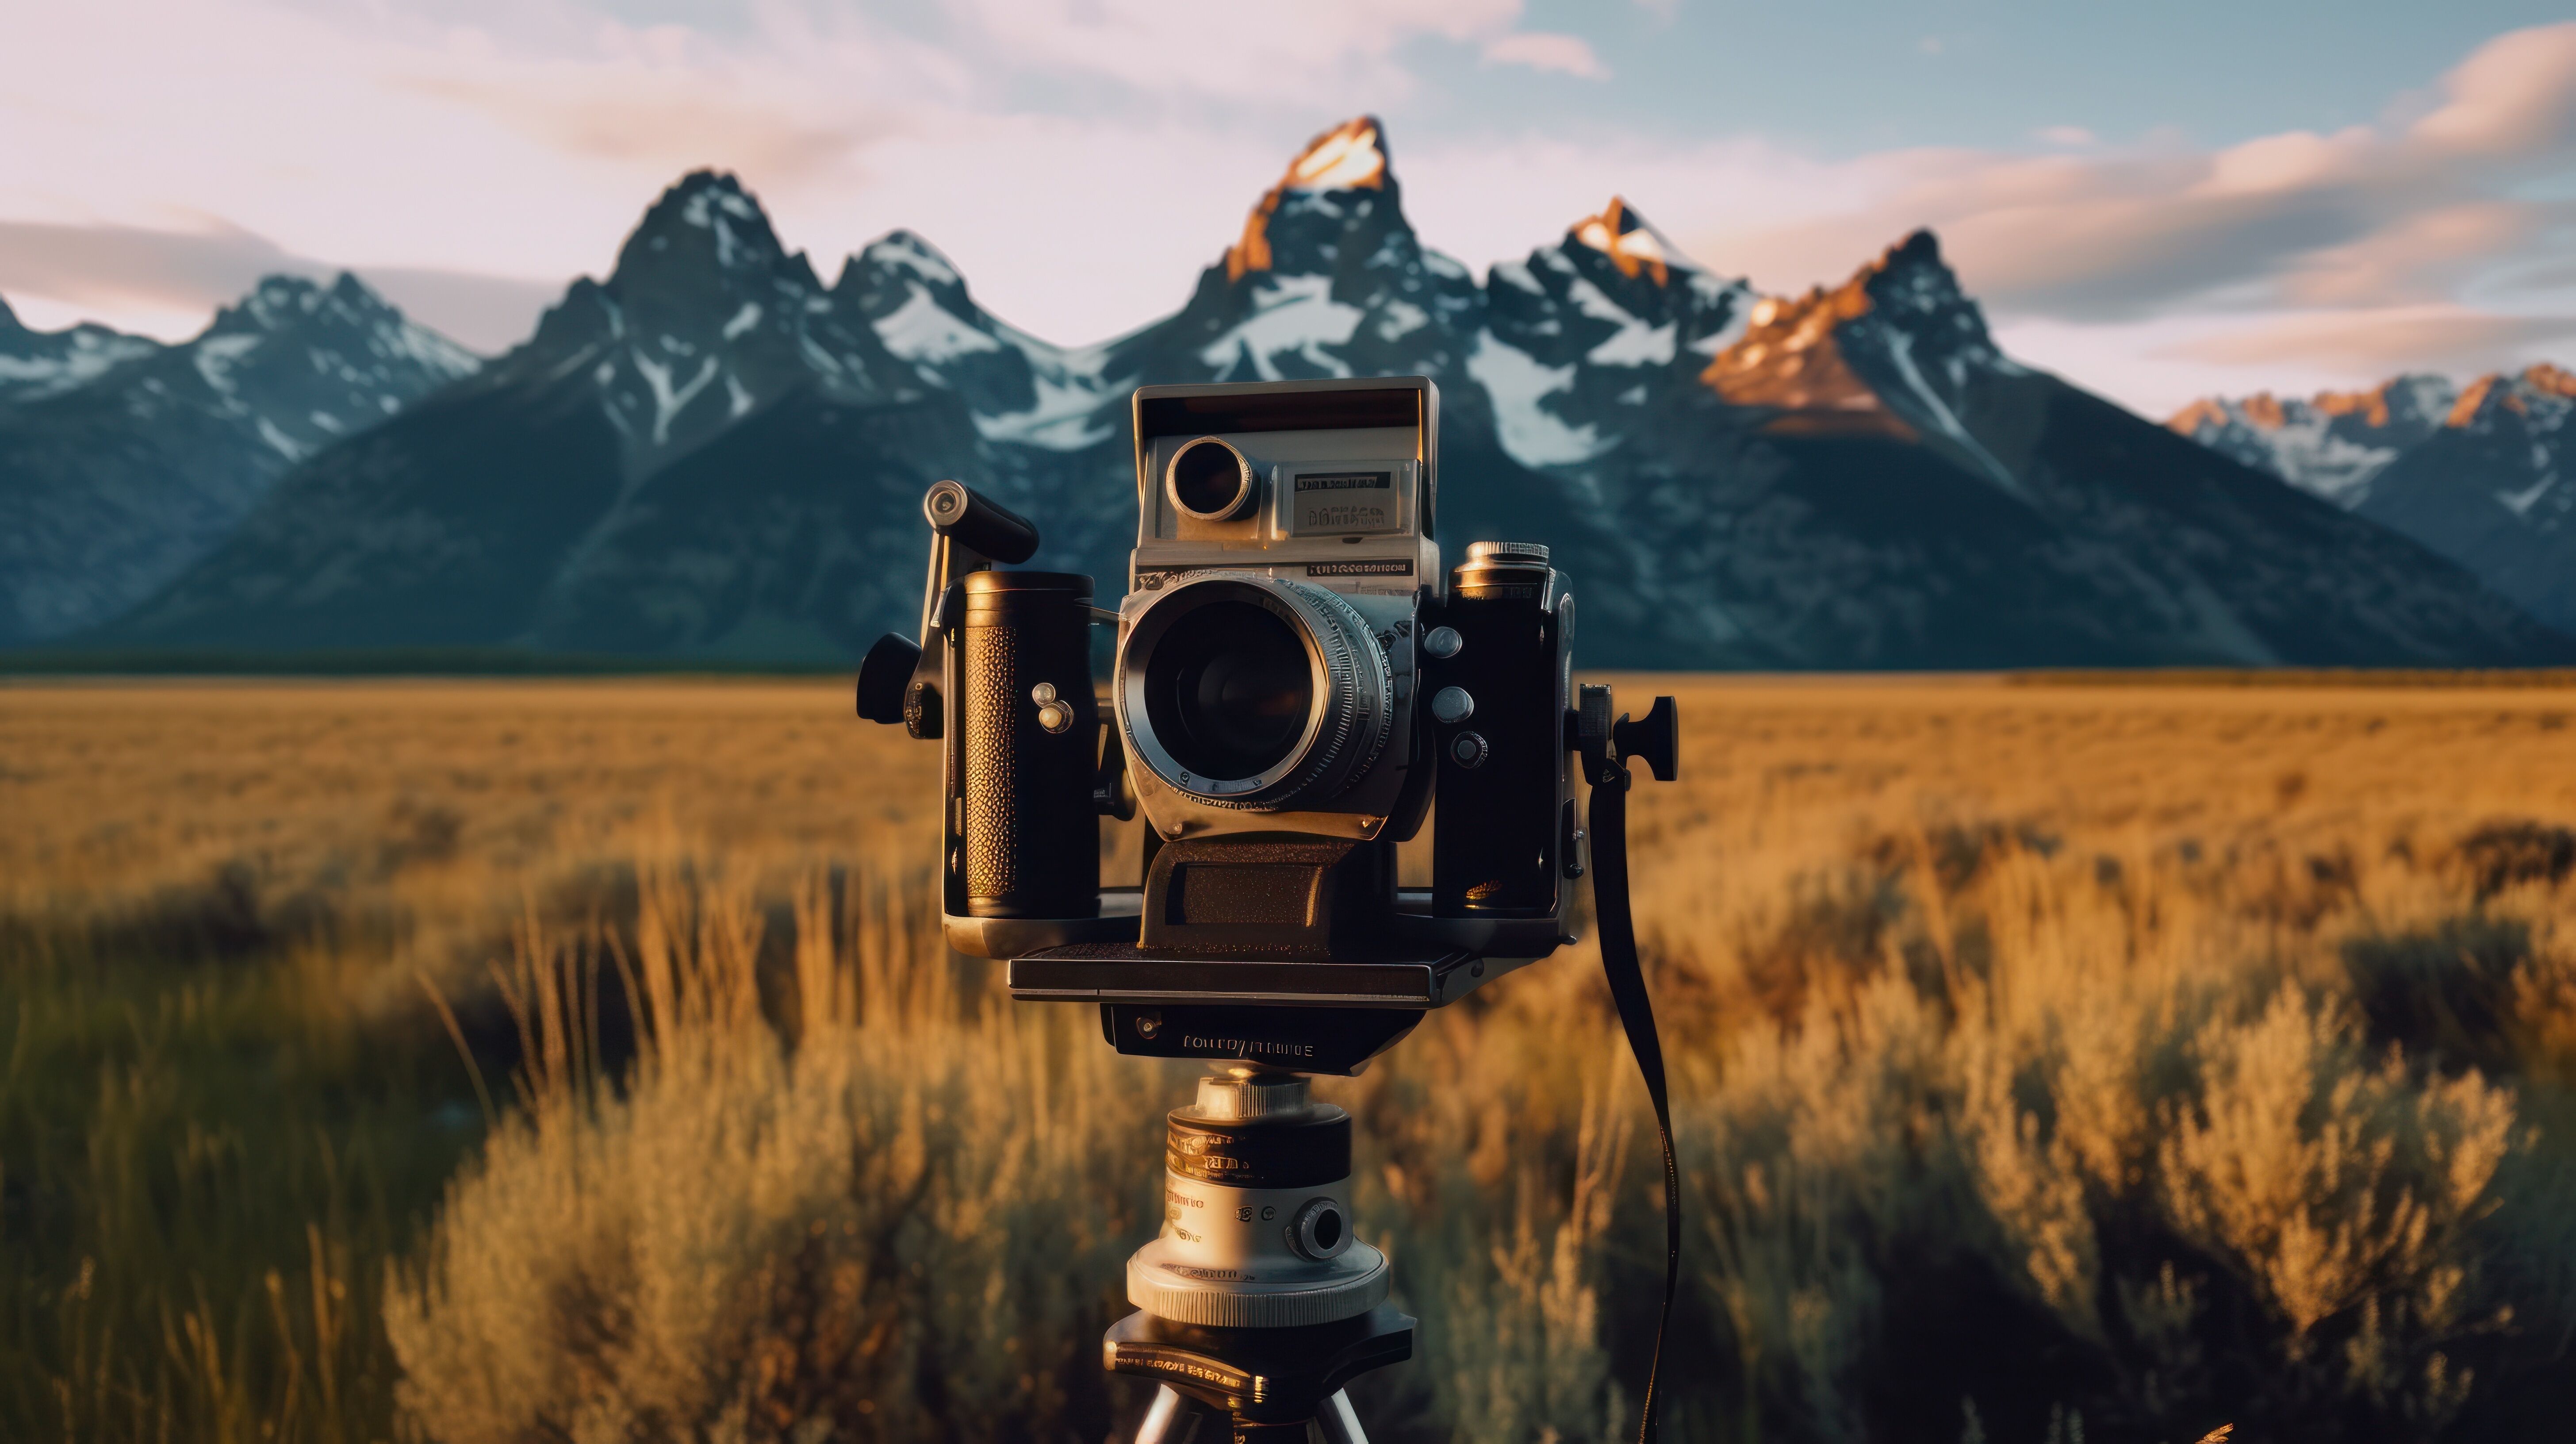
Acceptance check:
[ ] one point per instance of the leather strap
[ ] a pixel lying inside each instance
(1637, 1016)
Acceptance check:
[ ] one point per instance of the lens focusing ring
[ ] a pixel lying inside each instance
(1349, 711)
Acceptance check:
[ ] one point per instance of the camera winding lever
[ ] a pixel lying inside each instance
(1607, 747)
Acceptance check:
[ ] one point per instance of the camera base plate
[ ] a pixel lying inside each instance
(1112, 973)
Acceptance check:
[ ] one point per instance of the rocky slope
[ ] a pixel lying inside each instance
(123, 462)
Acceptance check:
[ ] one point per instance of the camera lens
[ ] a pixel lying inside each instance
(1211, 481)
(1251, 691)
(1229, 690)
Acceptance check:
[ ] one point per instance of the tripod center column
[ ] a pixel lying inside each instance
(1256, 1216)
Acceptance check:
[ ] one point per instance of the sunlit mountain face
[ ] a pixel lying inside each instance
(2479, 475)
(713, 453)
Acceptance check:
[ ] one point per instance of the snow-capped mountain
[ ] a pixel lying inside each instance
(709, 453)
(1581, 337)
(41, 363)
(1862, 477)
(130, 460)
(1018, 387)
(2334, 444)
(2474, 474)
(2494, 488)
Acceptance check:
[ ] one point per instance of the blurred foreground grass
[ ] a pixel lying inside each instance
(2066, 1062)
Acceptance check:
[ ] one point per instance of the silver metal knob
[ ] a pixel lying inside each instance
(1452, 705)
(1443, 642)
(1469, 749)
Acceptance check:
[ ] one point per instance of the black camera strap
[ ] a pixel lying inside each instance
(1637, 1016)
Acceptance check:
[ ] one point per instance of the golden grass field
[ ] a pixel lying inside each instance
(2054, 1060)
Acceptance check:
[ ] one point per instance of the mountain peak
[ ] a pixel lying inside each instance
(1916, 289)
(1349, 157)
(906, 251)
(1635, 247)
(9, 323)
(1890, 349)
(280, 302)
(2332, 444)
(2413, 401)
(705, 211)
(274, 303)
(2539, 385)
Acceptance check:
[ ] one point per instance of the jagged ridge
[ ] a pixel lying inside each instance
(711, 453)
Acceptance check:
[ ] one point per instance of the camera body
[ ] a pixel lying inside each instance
(1296, 671)
(1283, 547)
(1298, 686)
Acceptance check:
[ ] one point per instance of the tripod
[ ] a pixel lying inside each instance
(1171, 1421)
(1256, 1304)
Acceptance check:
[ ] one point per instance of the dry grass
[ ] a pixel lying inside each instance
(2106, 1062)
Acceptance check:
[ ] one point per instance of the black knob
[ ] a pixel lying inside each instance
(882, 676)
(1654, 739)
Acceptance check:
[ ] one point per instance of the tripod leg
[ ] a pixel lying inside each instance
(1340, 1423)
(1168, 1420)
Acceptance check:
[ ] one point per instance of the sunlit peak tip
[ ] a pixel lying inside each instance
(1632, 245)
(1350, 156)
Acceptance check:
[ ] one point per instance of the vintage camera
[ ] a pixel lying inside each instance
(1295, 679)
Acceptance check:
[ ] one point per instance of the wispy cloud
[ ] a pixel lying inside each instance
(1548, 51)
(2381, 213)
(2382, 339)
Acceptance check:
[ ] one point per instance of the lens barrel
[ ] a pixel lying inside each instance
(1242, 690)
(1028, 747)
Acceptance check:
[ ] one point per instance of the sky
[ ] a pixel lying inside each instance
(2156, 201)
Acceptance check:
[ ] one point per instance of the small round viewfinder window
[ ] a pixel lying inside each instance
(1211, 480)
